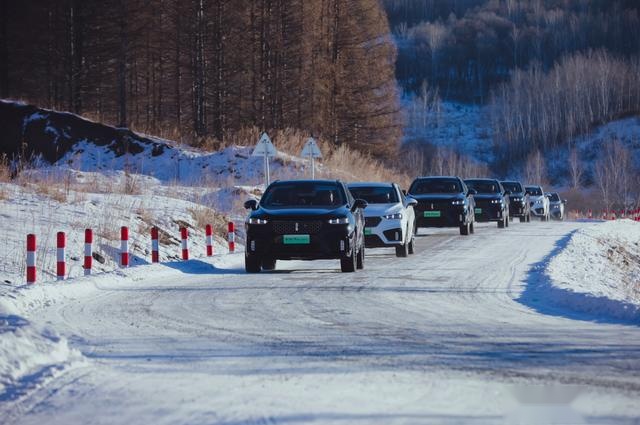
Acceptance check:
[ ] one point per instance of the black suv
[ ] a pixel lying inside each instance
(443, 202)
(518, 201)
(305, 220)
(492, 201)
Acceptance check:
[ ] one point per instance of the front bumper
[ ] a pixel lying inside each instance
(518, 209)
(485, 212)
(440, 215)
(332, 242)
(538, 211)
(380, 232)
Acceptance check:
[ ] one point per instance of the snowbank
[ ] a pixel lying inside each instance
(596, 272)
(28, 355)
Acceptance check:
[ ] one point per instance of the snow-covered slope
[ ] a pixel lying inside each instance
(594, 272)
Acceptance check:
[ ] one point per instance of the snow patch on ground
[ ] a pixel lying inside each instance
(28, 354)
(595, 272)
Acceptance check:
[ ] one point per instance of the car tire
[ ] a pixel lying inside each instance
(252, 263)
(506, 222)
(402, 250)
(360, 260)
(412, 245)
(269, 264)
(472, 228)
(348, 264)
(501, 224)
(465, 229)
(523, 219)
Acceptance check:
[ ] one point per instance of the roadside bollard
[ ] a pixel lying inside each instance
(184, 234)
(155, 246)
(124, 246)
(88, 251)
(31, 259)
(209, 240)
(60, 248)
(231, 236)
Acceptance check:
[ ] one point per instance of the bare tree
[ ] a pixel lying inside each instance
(575, 168)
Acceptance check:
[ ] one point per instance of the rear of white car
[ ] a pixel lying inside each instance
(389, 216)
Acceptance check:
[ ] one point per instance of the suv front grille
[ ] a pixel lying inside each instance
(372, 221)
(296, 227)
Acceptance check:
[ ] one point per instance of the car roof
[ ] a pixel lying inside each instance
(510, 181)
(438, 177)
(370, 184)
(481, 180)
(306, 181)
(533, 185)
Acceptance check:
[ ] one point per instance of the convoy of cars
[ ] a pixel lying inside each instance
(327, 219)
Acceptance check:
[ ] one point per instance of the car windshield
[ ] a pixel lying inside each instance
(423, 186)
(375, 194)
(303, 194)
(534, 190)
(483, 186)
(513, 187)
(554, 197)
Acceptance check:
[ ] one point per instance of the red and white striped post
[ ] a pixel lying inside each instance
(184, 235)
(613, 214)
(231, 236)
(209, 239)
(124, 246)
(88, 251)
(155, 246)
(61, 266)
(31, 259)
(590, 214)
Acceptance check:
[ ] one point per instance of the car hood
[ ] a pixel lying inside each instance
(487, 196)
(555, 202)
(537, 198)
(378, 210)
(301, 213)
(438, 197)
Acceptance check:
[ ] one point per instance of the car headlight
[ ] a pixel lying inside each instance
(458, 202)
(252, 220)
(396, 216)
(496, 201)
(517, 199)
(556, 207)
(339, 220)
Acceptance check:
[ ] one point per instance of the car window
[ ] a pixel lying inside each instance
(534, 190)
(375, 194)
(303, 194)
(484, 186)
(554, 197)
(423, 186)
(513, 187)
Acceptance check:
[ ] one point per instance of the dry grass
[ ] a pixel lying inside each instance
(204, 215)
(5, 170)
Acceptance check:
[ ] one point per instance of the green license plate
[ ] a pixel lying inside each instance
(432, 214)
(478, 210)
(296, 239)
(368, 231)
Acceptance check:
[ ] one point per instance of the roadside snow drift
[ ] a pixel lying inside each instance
(596, 271)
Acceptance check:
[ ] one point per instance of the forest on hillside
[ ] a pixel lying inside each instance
(206, 69)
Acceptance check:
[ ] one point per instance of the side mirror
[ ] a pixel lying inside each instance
(251, 204)
(564, 201)
(359, 203)
(412, 201)
(404, 192)
(526, 192)
(472, 192)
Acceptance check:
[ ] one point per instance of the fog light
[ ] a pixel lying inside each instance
(397, 236)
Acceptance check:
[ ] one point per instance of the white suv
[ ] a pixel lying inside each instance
(539, 202)
(389, 216)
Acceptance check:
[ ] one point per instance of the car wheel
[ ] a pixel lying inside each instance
(523, 219)
(402, 250)
(472, 228)
(501, 224)
(506, 222)
(252, 263)
(412, 246)
(464, 229)
(348, 264)
(269, 264)
(360, 261)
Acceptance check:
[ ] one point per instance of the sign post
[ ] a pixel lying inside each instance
(312, 151)
(265, 149)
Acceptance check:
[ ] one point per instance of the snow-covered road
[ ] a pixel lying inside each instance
(448, 335)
